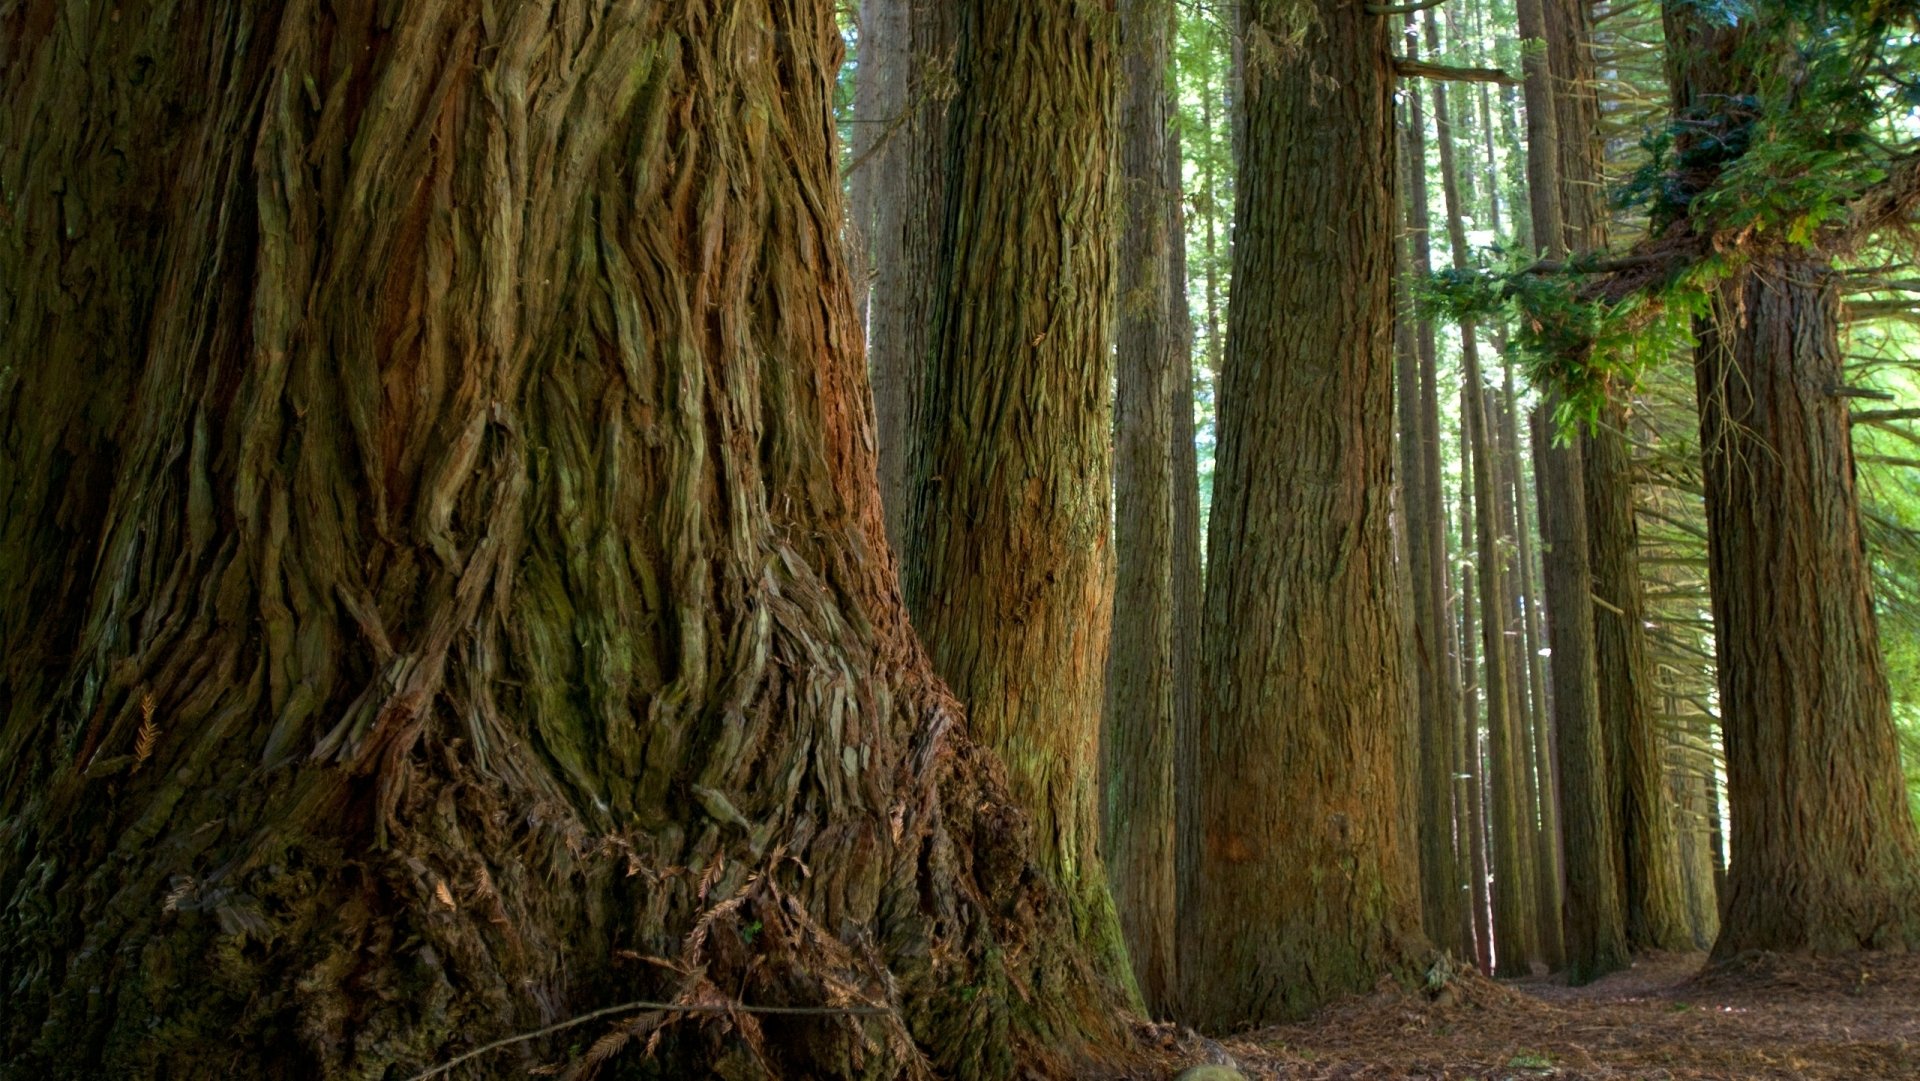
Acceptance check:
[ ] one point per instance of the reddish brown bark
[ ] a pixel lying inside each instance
(1293, 777)
(444, 586)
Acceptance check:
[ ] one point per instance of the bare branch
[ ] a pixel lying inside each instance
(1420, 69)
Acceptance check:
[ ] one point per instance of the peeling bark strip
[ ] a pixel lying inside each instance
(441, 430)
(1298, 879)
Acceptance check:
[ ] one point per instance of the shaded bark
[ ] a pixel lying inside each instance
(1136, 738)
(444, 570)
(1293, 774)
(1008, 569)
(1647, 858)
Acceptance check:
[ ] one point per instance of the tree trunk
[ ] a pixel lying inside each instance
(1008, 570)
(904, 168)
(1697, 829)
(1293, 776)
(1590, 913)
(1647, 861)
(1474, 815)
(1824, 852)
(1536, 719)
(1512, 903)
(443, 587)
(1188, 578)
(1438, 718)
(1825, 856)
(1136, 744)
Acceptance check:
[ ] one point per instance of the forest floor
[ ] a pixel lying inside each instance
(1665, 1018)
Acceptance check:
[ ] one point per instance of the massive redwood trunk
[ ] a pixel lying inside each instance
(1008, 568)
(1824, 853)
(1292, 779)
(443, 583)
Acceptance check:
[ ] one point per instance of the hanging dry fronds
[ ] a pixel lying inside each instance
(149, 732)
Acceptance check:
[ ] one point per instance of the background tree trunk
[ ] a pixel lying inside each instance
(1136, 744)
(904, 168)
(1590, 914)
(1008, 571)
(1509, 847)
(1442, 904)
(1293, 775)
(1558, 179)
(443, 565)
(1647, 860)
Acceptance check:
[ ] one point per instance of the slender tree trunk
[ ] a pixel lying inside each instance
(899, 182)
(1475, 775)
(1595, 938)
(1825, 856)
(1595, 941)
(444, 571)
(1188, 582)
(1432, 632)
(883, 52)
(1696, 829)
(1646, 859)
(1008, 571)
(1294, 771)
(1136, 745)
(1537, 721)
(1512, 903)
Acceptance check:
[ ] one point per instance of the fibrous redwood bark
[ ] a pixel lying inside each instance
(1136, 737)
(1293, 777)
(442, 580)
(1824, 850)
(1008, 569)
(1824, 853)
(1594, 938)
